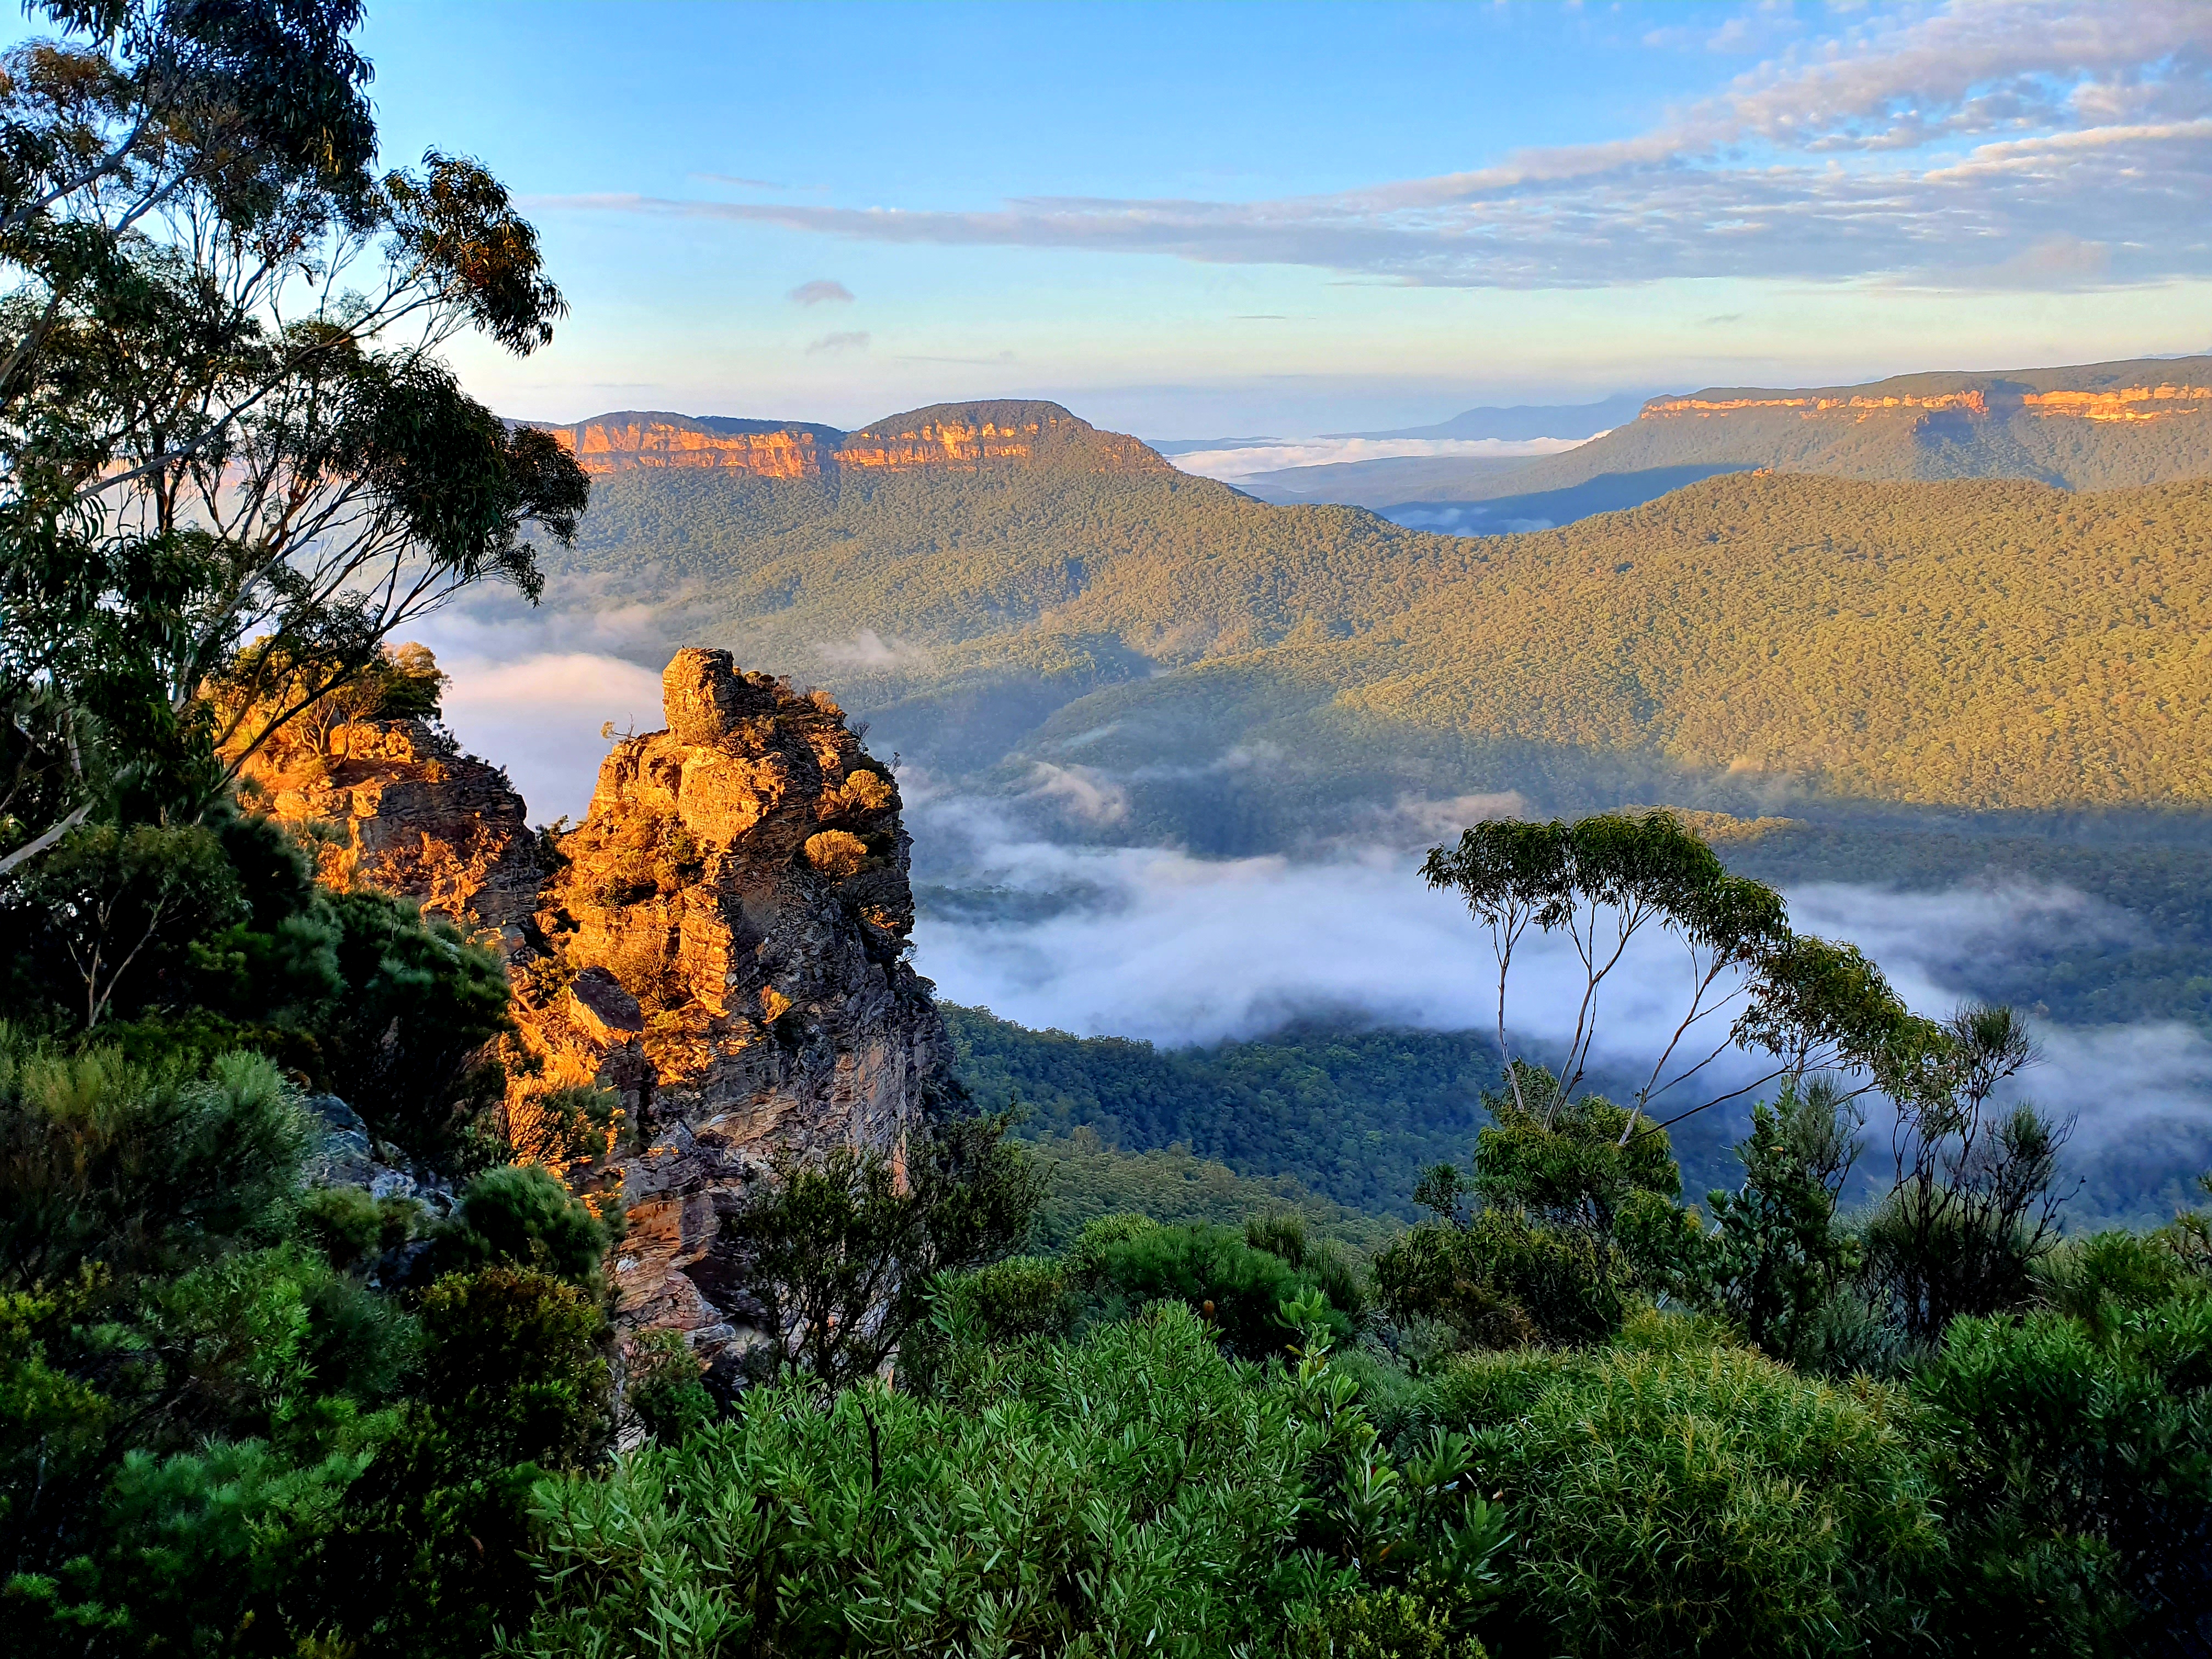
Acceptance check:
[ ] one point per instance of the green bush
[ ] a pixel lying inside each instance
(663, 1386)
(521, 1214)
(427, 1555)
(2076, 1463)
(352, 1228)
(1502, 1280)
(1671, 1494)
(1133, 1492)
(1239, 1291)
(126, 1169)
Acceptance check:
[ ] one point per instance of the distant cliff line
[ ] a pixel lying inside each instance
(2135, 390)
(943, 437)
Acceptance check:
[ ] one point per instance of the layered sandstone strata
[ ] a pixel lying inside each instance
(2165, 401)
(412, 814)
(724, 946)
(945, 437)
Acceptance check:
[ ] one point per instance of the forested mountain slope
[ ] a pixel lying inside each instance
(1990, 644)
(2095, 426)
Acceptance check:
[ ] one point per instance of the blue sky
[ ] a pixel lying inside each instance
(1199, 221)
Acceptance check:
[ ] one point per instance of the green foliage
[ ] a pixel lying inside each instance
(427, 1554)
(1776, 1257)
(1570, 1164)
(1237, 1290)
(1669, 1495)
(351, 1229)
(108, 1166)
(520, 1215)
(1502, 1280)
(1133, 1492)
(1087, 1179)
(404, 1040)
(839, 1255)
(663, 1386)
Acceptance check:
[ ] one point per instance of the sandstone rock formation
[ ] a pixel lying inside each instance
(721, 941)
(724, 946)
(945, 437)
(417, 817)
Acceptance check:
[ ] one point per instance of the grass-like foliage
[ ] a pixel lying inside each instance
(1135, 1490)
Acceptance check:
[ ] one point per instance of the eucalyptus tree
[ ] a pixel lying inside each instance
(231, 455)
(1805, 1004)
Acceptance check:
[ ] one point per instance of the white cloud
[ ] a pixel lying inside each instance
(1150, 942)
(869, 649)
(1244, 460)
(1915, 142)
(1081, 793)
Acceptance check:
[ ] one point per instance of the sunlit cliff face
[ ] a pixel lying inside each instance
(957, 438)
(2143, 403)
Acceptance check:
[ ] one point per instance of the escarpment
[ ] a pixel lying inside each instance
(943, 437)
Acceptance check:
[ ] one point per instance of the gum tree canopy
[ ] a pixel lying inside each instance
(232, 461)
(1806, 1004)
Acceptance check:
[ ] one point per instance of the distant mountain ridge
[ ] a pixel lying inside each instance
(2091, 425)
(943, 437)
(1522, 420)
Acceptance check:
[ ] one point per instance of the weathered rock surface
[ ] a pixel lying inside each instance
(734, 911)
(945, 437)
(418, 817)
(721, 941)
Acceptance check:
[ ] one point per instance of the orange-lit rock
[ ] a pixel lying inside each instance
(951, 437)
(415, 815)
(741, 883)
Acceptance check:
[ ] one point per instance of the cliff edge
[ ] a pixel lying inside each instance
(721, 943)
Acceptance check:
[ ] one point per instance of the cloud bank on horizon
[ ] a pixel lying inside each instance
(2038, 145)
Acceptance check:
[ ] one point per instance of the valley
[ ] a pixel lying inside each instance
(1865, 679)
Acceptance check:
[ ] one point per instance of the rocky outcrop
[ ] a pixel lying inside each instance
(724, 946)
(721, 941)
(945, 437)
(414, 815)
(2134, 393)
(635, 440)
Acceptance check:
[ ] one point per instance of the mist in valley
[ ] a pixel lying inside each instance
(1029, 908)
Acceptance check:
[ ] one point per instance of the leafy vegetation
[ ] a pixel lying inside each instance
(1352, 1117)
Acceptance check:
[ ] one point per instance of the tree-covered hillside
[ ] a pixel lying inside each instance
(1355, 1116)
(1985, 644)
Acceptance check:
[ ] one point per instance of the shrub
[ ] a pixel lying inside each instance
(2076, 1461)
(130, 1169)
(1674, 1495)
(522, 1215)
(663, 1386)
(1239, 1291)
(1502, 1279)
(427, 1557)
(1130, 1493)
(352, 1228)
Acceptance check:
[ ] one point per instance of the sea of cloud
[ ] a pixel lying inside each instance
(1150, 942)
(1243, 460)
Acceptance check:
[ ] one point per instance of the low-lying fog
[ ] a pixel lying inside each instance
(1244, 460)
(1148, 942)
